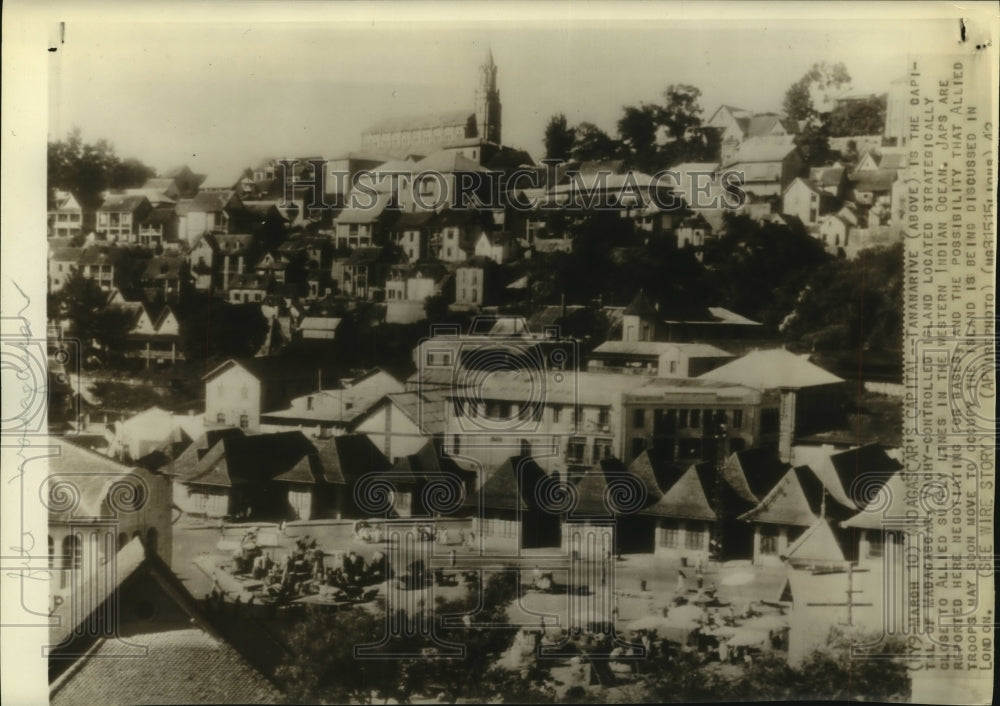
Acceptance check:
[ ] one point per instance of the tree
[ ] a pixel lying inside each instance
(865, 116)
(559, 138)
(593, 144)
(222, 329)
(81, 302)
(852, 304)
(760, 269)
(681, 119)
(637, 130)
(808, 101)
(112, 326)
(811, 97)
(463, 678)
(86, 170)
(681, 110)
(321, 665)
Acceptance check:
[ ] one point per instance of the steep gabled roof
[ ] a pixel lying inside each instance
(797, 499)
(752, 473)
(640, 306)
(816, 545)
(688, 497)
(250, 459)
(511, 486)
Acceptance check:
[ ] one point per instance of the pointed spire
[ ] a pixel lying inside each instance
(489, 56)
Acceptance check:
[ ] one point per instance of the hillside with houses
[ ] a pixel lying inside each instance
(688, 382)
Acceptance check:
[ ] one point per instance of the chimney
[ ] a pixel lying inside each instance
(786, 424)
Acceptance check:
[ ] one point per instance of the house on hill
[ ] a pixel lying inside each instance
(239, 390)
(155, 621)
(804, 199)
(65, 216)
(205, 212)
(768, 163)
(119, 216)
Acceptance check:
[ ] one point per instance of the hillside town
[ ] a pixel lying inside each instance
(640, 430)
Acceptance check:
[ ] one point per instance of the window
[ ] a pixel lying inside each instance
(221, 417)
(876, 543)
(673, 367)
(694, 538)
(602, 449)
(72, 557)
(669, 537)
(244, 421)
(604, 416)
(737, 419)
(556, 413)
(683, 418)
(768, 540)
(695, 418)
(639, 418)
(576, 449)
(456, 445)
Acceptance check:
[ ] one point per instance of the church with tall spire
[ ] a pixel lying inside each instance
(476, 133)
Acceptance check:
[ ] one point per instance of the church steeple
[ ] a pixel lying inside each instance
(488, 101)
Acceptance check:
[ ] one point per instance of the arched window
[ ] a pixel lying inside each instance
(72, 557)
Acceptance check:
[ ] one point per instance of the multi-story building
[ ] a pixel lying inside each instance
(119, 216)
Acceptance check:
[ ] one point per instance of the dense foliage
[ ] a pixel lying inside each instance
(86, 169)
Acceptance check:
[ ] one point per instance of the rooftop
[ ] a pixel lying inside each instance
(773, 369)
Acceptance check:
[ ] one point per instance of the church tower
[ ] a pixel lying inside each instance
(488, 102)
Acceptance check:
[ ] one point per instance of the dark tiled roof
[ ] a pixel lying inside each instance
(251, 280)
(688, 497)
(640, 306)
(752, 473)
(252, 459)
(874, 180)
(101, 255)
(512, 485)
(346, 458)
(163, 267)
(185, 660)
(122, 202)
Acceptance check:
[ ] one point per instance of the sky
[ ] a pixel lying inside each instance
(223, 96)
